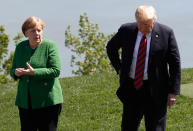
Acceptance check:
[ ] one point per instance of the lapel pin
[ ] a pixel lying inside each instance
(156, 36)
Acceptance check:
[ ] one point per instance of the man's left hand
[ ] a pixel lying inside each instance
(171, 99)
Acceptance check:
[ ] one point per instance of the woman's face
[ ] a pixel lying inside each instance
(35, 35)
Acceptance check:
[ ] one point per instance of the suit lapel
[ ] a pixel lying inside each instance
(155, 36)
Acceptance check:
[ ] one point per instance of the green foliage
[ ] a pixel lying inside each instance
(4, 41)
(19, 37)
(88, 47)
(5, 62)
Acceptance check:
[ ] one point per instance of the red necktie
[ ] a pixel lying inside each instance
(140, 64)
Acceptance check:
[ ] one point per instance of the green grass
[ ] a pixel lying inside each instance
(187, 75)
(187, 90)
(9, 119)
(90, 104)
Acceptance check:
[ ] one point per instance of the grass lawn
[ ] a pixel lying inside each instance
(90, 104)
(187, 90)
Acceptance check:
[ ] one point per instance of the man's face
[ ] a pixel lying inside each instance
(145, 26)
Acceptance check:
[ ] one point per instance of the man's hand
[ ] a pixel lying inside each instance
(21, 71)
(171, 99)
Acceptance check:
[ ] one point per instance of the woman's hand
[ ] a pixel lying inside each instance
(30, 70)
(21, 71)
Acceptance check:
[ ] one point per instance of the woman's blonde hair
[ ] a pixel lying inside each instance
(31, 22)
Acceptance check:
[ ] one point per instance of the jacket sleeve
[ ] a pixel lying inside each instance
(113, 47)
(53, 64)
(174, 65)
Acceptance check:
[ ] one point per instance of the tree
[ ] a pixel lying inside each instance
(5, 62)
(88, 47)
(8, 62)
(4, 41)
(19, 37)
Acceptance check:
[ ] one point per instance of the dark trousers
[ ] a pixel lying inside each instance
(142, 104)
(44, 119)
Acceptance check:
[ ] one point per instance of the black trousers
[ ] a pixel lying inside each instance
(44, 119)
(142, 104)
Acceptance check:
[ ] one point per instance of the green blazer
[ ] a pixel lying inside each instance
(44, 87)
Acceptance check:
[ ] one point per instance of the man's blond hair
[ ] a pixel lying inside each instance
(145, 12)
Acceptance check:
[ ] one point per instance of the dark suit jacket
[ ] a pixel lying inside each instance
(164, 72)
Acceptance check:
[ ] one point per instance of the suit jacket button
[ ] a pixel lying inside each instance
(45, 83)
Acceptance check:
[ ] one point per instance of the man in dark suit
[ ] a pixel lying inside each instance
(149, 70)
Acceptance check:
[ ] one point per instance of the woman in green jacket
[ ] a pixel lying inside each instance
(36, 64)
